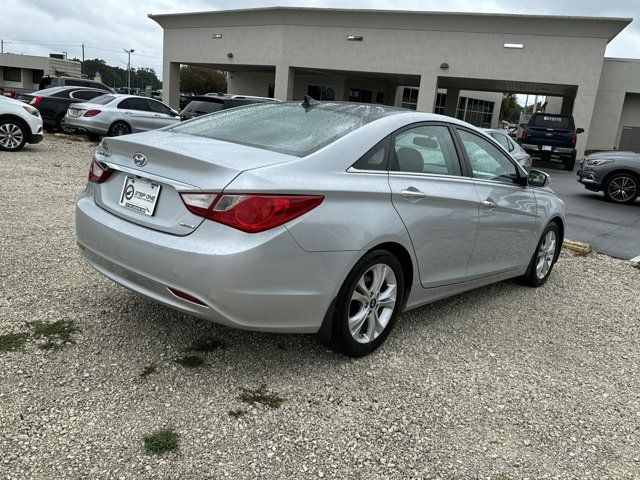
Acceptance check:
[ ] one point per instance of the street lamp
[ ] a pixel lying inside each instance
(129, 52)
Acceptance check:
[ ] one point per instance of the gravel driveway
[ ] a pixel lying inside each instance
(504, 382)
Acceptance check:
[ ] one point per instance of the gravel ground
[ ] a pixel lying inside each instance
(504, 382)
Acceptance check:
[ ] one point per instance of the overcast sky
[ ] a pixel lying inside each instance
(109, 26)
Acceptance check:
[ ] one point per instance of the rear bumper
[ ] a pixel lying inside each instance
(91, 124)
(537, 149)
(258, 282)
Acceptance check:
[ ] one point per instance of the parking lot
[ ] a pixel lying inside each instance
(611, 229)
(499, 383)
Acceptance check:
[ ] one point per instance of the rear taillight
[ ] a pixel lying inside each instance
(574, 138)
(92, 113)
(35, 100)
(524, 134)
(250, 213)
(98, 173)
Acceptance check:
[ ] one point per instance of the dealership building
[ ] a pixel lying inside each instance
(456, 64)
(22, 73)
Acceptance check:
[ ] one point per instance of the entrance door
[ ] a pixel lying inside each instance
(630, 139)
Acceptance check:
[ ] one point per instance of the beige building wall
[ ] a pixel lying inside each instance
(30, 63)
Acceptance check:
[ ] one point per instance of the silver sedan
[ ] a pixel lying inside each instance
(513, 147)
(116, 115)
(315, 217)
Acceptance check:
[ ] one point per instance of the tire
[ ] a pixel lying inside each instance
(570, 163)
(370, 306)
(13, 134)
(537, 273)
(622, 188)
(119, 128)
(61, 126)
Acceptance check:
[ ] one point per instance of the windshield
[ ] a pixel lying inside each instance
(103, 99)
(553, 121)
(285, 128)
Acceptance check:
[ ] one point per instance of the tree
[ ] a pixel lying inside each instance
(201, 80)
(117, 77)
(509, 105)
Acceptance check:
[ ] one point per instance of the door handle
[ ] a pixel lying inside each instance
(488, 204)
(412, 193)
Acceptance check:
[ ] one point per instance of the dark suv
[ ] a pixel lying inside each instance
(213, 102)
(548, 135)
(56, 81)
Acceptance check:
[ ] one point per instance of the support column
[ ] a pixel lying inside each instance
(171, 84)
(451, 102)
(567, 105)
(582, 110)
(284, 83)
(427, 94)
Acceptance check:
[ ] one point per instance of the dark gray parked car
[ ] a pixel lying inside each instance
(616, 174)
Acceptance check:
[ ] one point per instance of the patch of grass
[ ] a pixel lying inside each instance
(190, 361)
(55, 334)
(237, 413)
(149, 370)
(260, 395)
(11, 342)
(161, 441)
(207, 345)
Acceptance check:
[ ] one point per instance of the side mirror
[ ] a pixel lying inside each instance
(536, 178)
(579, 130)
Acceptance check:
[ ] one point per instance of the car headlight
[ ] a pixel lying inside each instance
(596, 162)
(32, 111)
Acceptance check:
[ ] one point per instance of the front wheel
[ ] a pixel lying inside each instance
(621, 188)
(368, 304)
(544, 257)
(13, 135)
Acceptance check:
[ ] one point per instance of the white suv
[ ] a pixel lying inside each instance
(19, 124)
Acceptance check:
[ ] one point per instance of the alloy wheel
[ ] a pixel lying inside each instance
(622, 188)
(119, 129)
(546, 254)
(11, 135)
(372, 303)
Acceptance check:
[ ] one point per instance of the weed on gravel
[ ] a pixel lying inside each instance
(161, 441)
(206, 345)
(11, 342)
(237, 413)
(149, 370)
(53, 335)
(260, 395)
(190, 361)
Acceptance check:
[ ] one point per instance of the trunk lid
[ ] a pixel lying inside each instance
(174, 163)
(76, 110)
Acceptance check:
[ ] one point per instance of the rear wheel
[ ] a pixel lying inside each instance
(13, 135)
(622, 188)
(62, 125)
(570, 163)
(544, 257)
(368, 304)
(119, 128)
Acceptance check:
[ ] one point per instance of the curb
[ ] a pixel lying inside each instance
(578, 247)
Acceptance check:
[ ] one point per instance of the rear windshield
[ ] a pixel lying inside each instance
(102, 99)
(285, 128)
(553, 121)
(202, 107)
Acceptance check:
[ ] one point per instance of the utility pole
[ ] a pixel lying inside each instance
(129, 52)
(2, 46)
(82, 64)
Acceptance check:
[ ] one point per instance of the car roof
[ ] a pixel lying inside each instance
(367, 111)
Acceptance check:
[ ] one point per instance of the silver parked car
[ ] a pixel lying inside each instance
(115, 115)
(314, 217)
(616, 174)
(513, 147)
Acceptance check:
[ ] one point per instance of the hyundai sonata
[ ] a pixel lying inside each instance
(314, 217)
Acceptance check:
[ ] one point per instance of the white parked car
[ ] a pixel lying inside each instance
(511, 146)
(19, 124)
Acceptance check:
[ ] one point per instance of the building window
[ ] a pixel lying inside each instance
(12, 74)
(410, 98)
(380, 98)
(322, 92)
(476, 112)
(37, 75)
(441, 99)
(358, 95)
(272, 89)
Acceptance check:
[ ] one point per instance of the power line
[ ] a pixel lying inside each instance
(79, 45)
